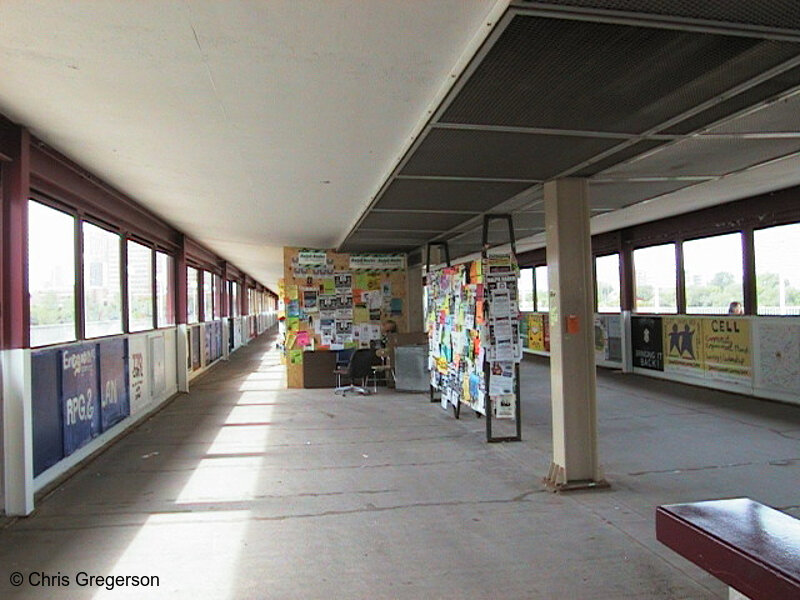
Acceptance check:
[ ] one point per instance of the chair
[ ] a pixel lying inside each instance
(358, 370)
(342, 365)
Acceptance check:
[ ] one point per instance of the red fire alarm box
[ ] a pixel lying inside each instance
(573, 324)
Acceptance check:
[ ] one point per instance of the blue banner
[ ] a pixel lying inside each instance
(80, 402)
(114, 400)
(48, 444)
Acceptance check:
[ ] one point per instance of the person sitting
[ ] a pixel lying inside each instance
(735, 308)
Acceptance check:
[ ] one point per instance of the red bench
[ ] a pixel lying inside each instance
(752, 548)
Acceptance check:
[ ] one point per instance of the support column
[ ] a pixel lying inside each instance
(572, 364)
(15, 365)
(182, 330)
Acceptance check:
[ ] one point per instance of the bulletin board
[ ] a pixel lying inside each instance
(474, 337)
(333, 301)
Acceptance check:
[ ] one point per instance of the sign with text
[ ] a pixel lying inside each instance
(726, 349)
(114, 399)
(648, 352)
(683, 345)
(79, 396)
(378, 262)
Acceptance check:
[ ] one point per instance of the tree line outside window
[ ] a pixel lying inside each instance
(713, 274)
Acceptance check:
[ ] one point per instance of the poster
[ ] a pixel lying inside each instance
(114, 399)
(683, 345)
(310, 300)
(646, 339)
(296, 356)
(537, 332)
(137, 362)
(726, 349)
(343, 282)
(501, 378)
(79, 396)
(600, 339)
(777, 343)
(159, 365)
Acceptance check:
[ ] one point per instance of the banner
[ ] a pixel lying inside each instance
(114, 400)
(378, 262)
(79, 396)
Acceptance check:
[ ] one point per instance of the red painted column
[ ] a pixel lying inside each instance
(15, 145)
(181, 295)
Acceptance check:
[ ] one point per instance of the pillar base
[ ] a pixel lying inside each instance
(556, 481)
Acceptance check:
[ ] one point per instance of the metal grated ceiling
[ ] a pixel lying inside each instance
(614, 91)
(769, 13)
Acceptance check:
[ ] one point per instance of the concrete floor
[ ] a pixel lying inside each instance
(244, 489)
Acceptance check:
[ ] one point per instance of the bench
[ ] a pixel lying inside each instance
(752, 548)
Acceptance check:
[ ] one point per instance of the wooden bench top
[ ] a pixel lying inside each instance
(751, 547)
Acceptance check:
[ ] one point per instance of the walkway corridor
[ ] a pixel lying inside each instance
(244, 489)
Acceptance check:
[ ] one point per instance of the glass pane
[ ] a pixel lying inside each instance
(236, 307)
(778, 269)
(607, 274)
(542, 294)
(217, 296)
(525, 286)
(656, 279)
(713, 271)
(191, 295)
(51, 274)
(102, 289)
(140, 287)
(165, 289)
(208, 296)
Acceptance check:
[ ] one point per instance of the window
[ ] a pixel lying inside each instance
(208, 296)
(607, 276)
(217, 296)
(525, 287)
(192, 298)
(778, 269)
(656, 279)
(165, 286)
(51, 274)
(542, 294)
(102, 290)
(140, 287)
(713, 274)
(235, 305)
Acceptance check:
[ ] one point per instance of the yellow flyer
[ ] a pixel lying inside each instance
(726, 345)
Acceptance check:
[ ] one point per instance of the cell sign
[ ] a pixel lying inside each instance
(80, 400)
(648, 350)
(114, 399)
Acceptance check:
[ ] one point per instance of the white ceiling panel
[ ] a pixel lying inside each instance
(249, 125)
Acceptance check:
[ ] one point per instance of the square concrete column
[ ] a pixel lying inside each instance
(572, 363)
